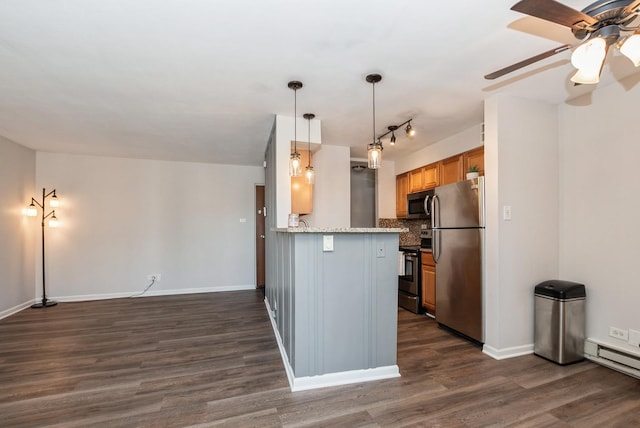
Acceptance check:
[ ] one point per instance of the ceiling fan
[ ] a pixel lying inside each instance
(598, 26)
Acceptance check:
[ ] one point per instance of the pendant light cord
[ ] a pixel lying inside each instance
(295, 121)
(309, 140)
(373, 89)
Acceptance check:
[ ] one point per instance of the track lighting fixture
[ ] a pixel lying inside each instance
(409, 130)
(295, 167)
(374, 149)
(392, 128)
(309, 174)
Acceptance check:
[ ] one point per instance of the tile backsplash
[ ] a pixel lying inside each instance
(412, 237)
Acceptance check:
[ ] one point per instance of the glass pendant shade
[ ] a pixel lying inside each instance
(309, 175)
(374, 155)
(54, 202)
(32, 211)
(53, 220)
(631, 49)
(588, 59)
(295, 165)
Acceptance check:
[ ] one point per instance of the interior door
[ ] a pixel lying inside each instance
(260, 232)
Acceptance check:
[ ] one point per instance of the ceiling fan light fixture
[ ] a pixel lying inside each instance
(588, 59)
(631, 49)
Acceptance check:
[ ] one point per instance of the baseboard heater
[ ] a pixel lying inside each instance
(618, 359)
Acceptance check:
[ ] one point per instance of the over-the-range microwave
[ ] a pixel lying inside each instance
(419, 205)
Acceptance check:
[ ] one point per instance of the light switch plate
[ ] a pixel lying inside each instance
(506, 212)
(327, 243)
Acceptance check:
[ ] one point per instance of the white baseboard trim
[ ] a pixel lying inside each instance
(152, 293)
(344, 378)
(16, 309)
(503, 354)
(329, 379)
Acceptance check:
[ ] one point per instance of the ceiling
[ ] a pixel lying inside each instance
(201, 80)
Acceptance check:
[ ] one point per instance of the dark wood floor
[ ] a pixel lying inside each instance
(212, 360)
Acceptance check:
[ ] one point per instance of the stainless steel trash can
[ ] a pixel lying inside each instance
(560, 321)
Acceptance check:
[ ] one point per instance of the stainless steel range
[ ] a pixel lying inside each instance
(409, 282)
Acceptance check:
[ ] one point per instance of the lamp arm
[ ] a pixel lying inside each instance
(33, 201)
(52, 213)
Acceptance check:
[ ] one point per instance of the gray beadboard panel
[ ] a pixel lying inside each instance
(343, 311)
(343, 292)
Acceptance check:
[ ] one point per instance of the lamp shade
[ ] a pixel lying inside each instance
(374, 155)
(631, 49)
(53, 220)
(54, 202)
(32, 211)
(309, 174)
(295, 165)
(588, 59)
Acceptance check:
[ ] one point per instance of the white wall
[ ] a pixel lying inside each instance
(386, 190)
(123, 219)
(331, 191)
(17, 232)
(522, 168)
(600, 205)
(461, 142)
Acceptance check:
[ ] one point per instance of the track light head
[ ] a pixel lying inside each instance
(410, 131)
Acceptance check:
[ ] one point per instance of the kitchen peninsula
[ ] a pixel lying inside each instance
(334, 311)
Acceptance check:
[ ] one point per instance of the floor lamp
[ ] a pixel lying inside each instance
(32, 211)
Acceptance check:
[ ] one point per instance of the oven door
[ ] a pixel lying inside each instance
(410, 281)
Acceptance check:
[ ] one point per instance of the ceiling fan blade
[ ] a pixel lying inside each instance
(551, 10)
(524, 63)
(631, 7)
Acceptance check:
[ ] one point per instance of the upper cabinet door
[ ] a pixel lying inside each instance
(430, 175)
(402, 188)
(415, 180)
(474, 157)
(451, 170)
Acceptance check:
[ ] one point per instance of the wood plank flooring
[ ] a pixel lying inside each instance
(212, 360)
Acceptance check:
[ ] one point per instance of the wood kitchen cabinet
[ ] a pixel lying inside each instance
(402, 188)
(301, 191)
(428, 283)
(415, 180)
(423, 178)
(452, 169)
(430, 176)
(474, 157)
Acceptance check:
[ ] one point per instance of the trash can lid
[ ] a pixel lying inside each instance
(560, 289)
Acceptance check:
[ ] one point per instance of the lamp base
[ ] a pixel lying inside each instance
(44, 304)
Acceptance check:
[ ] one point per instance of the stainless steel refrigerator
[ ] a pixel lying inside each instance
(457, 221)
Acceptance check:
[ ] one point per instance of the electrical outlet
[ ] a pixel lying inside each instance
(634, 338)
(154, 276)
(618, 333)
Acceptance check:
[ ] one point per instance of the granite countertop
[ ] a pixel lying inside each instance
(341, 229)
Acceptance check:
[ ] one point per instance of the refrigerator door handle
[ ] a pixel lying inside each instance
(435, 252)
(434, 208)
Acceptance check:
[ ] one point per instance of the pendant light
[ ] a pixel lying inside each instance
(374, 149)
(295, 163)
(309, 172)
